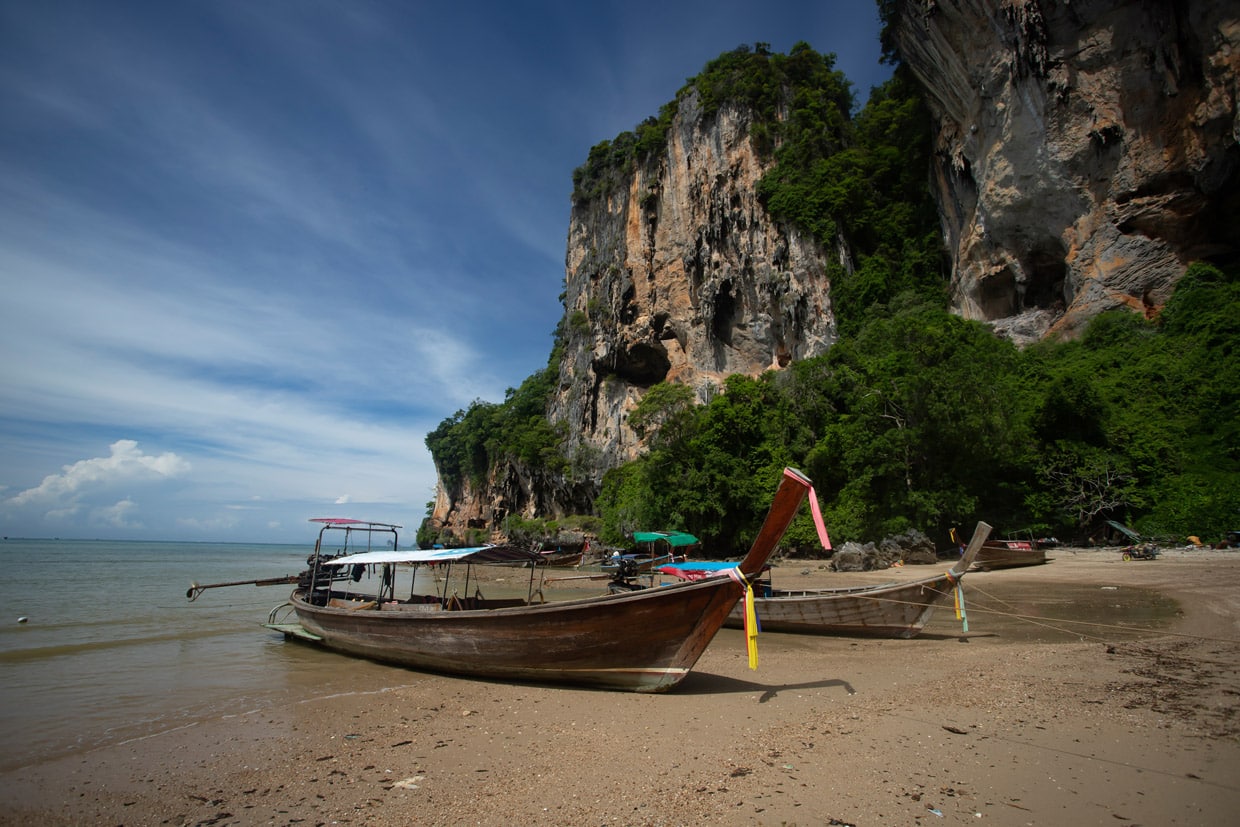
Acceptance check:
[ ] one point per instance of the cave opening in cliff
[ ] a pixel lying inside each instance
(1046, 271)
(723, 320)
(643, 365)
(628, 305)
(996, 294)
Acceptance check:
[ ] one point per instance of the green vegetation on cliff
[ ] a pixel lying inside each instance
(923, 420)
(467, 445)
(756, 81)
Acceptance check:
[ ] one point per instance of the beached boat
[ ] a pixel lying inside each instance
(645, 640)
(560, 559)
(1006, 554)
(898, 610)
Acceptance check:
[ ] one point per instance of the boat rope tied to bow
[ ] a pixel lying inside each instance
(751, 616)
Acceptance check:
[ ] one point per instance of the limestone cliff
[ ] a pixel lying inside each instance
(675, 273)
(679, 275)
(1087, 149)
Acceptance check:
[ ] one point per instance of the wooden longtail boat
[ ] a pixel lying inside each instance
(1006, 554)
(898, 610)
(645, 640)
(561, 559)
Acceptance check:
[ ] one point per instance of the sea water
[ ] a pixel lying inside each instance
(110, 649)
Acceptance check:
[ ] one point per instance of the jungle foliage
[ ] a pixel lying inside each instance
(468, 444)
(924, 420)
(915, 418)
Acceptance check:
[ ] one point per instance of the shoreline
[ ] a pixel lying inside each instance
(946, 728)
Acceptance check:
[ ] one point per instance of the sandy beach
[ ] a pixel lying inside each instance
(1059, 724)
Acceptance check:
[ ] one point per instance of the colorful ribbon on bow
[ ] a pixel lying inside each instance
(751, 627)
(961, 614)
(818, 523)
(751, 616)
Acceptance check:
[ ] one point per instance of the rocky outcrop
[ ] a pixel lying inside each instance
(1087, 149)
(473, 515)
(910, 548)
(678, 274)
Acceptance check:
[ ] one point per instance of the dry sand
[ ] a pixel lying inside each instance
(1104, 726)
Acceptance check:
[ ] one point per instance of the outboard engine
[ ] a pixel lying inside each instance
(621, 581)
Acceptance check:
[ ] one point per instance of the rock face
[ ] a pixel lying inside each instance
(679, 275)
(1087, 149)
(473, 515)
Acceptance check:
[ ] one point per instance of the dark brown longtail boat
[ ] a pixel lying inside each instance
(896, 610)
(1007, 554)
(645, 640)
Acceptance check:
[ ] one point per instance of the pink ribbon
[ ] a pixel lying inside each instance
(818, 524)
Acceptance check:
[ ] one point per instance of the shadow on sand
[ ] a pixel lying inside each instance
(706, 683)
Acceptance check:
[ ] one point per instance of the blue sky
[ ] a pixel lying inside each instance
(251, 252)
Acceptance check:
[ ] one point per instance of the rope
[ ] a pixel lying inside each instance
(1038, 621)
(1049, 622)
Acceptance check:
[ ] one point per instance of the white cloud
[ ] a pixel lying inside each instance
(117, 515)
(62, 493)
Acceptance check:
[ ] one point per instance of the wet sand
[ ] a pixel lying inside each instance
(1024, 720)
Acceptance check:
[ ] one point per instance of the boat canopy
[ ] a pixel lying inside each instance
(344, 522)
(1125, 530)
(698, 569)
(673, 538)
(475, 554)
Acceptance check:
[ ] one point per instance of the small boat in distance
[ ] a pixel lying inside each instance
(896, 610)
(1006, 554)
(560, 559)
(646, 640)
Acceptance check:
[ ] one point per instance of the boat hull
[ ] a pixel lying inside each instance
(1006, 554)
(894, 610)
(572, 642)
(644, 640)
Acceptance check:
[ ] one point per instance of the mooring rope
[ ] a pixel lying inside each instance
(1041, 621)
(1049, 622)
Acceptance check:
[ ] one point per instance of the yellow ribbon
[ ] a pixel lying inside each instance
(751, 616)
(751, 627)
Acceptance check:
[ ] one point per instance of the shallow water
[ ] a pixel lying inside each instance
(112, 651)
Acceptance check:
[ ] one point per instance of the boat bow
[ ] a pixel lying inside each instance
(980, 535)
